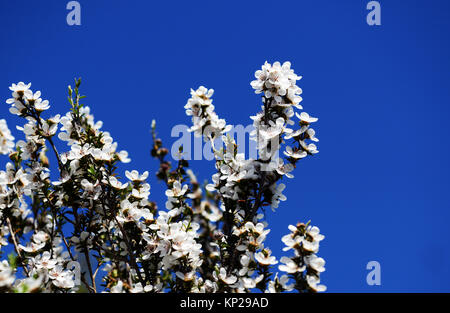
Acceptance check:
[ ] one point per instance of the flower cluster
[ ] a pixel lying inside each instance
(244, 186)
(305, 266)
(67, 229)
(204, 119)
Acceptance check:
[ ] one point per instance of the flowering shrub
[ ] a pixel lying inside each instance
(209, 239)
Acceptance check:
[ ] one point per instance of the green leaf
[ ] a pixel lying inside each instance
(12, 259)
(92, 171)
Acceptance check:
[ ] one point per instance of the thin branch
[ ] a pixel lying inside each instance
(16, 246)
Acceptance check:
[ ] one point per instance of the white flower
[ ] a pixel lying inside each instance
(265, 258)
(272, 132)
(258, 229)
(7, 277)
(117, 288)
(277, 195)
(30, 284)
(305, 118)
(315, 263)
(20, 87)
(290, 266)
(137, 288)
(61, 278)
(200, 99)
(314, 232)
(295, 155)
(309, 148)
(210, 212)
(41, 236)
(6, 139)
(41, 105)
(49, 129)
(291, 242)
(189, 276)
(250, 283)
(285, 169)
(229, 280)
(312, 246)
(297, 133)
(177, 190)
(284, 280)
(32, 247)
(115, 183)
(77, 152)
(142, 192)
(313, 282)
(121, 220)
(311, 134)
(45, 261)
(135, 177)
(278, 82)
(19, 91)
(36, 101)
(205, 121)
(123, 157)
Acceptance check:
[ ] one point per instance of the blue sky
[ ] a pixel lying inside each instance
(378, 189)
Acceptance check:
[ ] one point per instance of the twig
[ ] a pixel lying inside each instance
(16, 246)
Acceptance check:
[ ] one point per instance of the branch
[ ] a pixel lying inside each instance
(16, 246)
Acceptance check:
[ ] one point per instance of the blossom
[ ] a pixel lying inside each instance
(20, 87)
(284, 169)
(29, 284)
(315, 263)
(264, 257)
(205, 121)
(277, 195)
(290, 266)
(177, 190)
(274, 130)
(41, 105)
(227, 279)
(45, 261)
(296, 155)
(6, 139)
(291, 241)
(305, 118)
(36, 101)
(38, 241)
(115, 183)
(7, 276)
(62, 278)
(309, 148)
(278, 82)
(250, 283)
(77, 152)
(117, 288)
(313, 282)
(284, 280)
(312, 134)
(49, 128)
(209, 240)
(135, 177)
(123, 156)
(189, 276)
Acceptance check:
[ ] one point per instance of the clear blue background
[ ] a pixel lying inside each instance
(378, 189)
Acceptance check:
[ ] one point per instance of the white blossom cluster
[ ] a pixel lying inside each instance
(209, 238)
(243, 185)
(305, 266)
